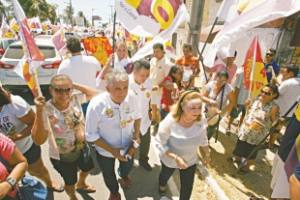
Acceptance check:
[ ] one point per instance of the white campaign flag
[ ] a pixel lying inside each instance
(164, 36)
(158, 19)
(264, 12)
(226, 8)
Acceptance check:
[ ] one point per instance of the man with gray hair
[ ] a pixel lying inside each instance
(113, 125)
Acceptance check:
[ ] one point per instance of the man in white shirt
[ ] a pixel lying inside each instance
(113, 125)
(141, 85)
(80, 68)
(160, 67)
(289, 89)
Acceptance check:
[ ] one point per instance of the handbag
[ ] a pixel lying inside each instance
(31, 189)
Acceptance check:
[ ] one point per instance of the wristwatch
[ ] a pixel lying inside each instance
(11, 181)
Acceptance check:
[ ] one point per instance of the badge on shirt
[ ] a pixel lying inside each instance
(109, 112)
(143, 88)
(147, 94)
(123, 122)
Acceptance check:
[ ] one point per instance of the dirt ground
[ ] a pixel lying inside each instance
(235, 186)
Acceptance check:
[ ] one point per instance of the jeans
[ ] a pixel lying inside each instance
(186, 179)
(107, 166)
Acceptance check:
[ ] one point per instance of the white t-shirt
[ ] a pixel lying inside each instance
(120, 65)
(10, 122)
(217, 97)
(111, 122)
(184, 142)
(81, 69)
(145, 97)
(159, 70)
(62, 124)
(289, 91)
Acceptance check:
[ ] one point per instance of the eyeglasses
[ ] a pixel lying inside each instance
(266, 93)
(62, 90)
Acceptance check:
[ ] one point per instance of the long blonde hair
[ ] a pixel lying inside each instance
(186, 96)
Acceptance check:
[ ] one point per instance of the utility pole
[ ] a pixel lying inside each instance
(195, 24)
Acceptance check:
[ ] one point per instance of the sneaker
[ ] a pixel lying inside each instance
(114, 196)
(125, 182)
(145, 165)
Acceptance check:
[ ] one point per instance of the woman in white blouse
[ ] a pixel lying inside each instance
(178, 138)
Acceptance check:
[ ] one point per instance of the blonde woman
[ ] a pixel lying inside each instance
(178, 138)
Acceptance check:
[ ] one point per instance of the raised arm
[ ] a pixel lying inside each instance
(88, 91)
(41, 128)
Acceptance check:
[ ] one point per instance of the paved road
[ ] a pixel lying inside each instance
(145, 184)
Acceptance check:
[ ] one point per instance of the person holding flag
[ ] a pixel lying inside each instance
(260, 116)
(61, 121)
(16, 121)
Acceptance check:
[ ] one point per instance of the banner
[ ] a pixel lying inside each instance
(99, 47)
(5, 30)
(59, 40)
(147, 17)
(259, 14)
(254, 71)
(26, 68)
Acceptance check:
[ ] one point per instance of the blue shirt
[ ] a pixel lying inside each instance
(297, 171)
(270, 67)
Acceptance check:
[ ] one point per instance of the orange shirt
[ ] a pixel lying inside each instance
(189, 62)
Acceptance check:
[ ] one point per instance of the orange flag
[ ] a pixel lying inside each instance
(254, 71)
(99, 47)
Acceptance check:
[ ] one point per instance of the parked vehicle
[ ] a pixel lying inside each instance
(14, 54)
(4, 43)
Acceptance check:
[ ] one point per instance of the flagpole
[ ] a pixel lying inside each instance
(209, 34)
(252, 69)
(114, 40)
(38, 87)
(203, 48)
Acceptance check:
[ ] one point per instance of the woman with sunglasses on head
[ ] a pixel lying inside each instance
(61, 121)
(177, 141)
(16, 121)
(260, 116)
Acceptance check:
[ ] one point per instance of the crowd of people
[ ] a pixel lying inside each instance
(111, 109)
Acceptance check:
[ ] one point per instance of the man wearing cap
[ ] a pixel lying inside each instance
(271, 66)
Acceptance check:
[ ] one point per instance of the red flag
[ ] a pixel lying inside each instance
(254, 71)
(32, 52)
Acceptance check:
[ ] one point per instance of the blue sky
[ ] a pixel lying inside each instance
(100, 7)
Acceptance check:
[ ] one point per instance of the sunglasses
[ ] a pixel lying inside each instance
(62, 90)
(269, 54)
(266, 93)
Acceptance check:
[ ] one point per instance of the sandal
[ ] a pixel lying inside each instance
(162, 190)
(60, 189)
(86, 189)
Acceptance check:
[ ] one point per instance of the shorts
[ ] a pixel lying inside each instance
(68, 170)
(244, 149)
(33, 154)
(237, 110)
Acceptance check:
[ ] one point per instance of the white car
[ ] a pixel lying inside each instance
(14, 53)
